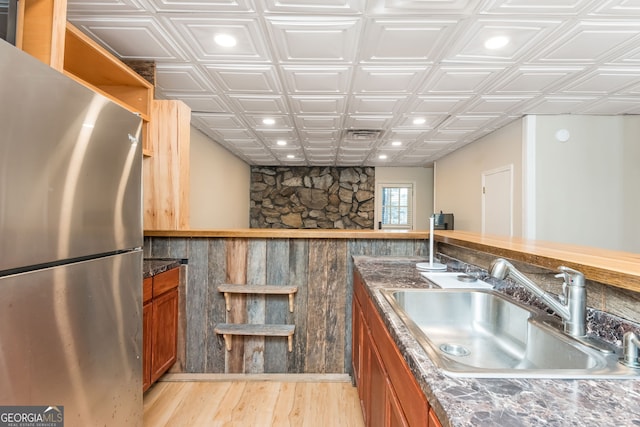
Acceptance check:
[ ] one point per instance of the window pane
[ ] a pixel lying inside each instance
(395, 206)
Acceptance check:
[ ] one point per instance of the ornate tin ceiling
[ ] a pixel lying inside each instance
(322, 68)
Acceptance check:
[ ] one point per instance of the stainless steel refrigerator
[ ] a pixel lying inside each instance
(70, 247)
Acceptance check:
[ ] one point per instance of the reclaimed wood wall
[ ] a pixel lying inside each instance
(322, 270)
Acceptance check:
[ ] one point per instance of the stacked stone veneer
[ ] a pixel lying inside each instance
(312, 197)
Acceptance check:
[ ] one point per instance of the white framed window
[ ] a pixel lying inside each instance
(395, 202)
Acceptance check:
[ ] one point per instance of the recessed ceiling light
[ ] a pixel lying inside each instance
(496, 42)
(419, 121)
(225, 40)
(281, 142)
(268, 121)
(290, 156)
(396, 143)
(382, 156)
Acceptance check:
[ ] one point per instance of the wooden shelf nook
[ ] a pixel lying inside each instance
(227, 330)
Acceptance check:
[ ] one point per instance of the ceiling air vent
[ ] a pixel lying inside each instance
(362, 134)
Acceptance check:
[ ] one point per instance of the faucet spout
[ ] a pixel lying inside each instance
(572, 311)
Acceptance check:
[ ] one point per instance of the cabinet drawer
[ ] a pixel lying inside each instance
(147, 289)
(166, 281)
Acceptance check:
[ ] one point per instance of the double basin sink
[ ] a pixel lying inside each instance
(483, 334)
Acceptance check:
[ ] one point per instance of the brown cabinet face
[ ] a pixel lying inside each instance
(166, 281)
(433, 419)
(147, 290)
(164, 335)
(389, 393)
(160, 325)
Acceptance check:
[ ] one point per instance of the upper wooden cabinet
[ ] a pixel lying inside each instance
(44, 33)
(166, 173)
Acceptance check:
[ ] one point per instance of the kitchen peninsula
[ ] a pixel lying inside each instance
(320, 264)
(467, 402)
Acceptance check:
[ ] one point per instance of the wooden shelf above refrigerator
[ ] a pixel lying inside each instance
(94, 66)
(44, 33)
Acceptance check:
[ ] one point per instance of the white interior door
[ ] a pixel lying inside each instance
(497, 201)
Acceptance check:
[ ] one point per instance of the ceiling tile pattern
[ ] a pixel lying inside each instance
(321, 69)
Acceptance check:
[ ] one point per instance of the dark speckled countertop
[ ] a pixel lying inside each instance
(472, 402)
(153, 266)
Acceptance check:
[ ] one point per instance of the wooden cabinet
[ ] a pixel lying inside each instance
(165, 332)
(166, 173)
(389, 394)
(160, 325)
(44, 33)
(433, 419)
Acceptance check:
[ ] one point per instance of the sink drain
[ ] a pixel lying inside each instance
(455, 350)
(465, 278)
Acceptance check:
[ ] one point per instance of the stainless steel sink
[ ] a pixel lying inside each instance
(480, 333)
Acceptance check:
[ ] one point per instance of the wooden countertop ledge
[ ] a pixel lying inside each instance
(287, 233)
(620, 269)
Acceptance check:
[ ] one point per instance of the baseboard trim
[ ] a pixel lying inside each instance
(312, 378)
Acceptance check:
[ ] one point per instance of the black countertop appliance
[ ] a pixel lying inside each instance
(443, 221)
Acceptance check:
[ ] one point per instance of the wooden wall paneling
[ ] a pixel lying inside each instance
(336, 264)
(236, 274)
(359, 247)
(172, 247)
(299, 276)
(254, 351)
(321, 268)
(352, 248)
(317, 308)
(277, 307)
(196, 304)
(181, 356)
(401, 248)
(146, 247)
(421, 248)
(216, 309)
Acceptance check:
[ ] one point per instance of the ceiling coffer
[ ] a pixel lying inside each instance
(362, 134)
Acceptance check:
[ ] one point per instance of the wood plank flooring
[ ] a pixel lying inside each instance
(238, 402)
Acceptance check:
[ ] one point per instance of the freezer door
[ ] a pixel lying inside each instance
(72, 336)
(70, 167)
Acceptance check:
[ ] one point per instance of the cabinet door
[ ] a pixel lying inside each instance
(147, 333)
(164, 335)
(433, 419)
(410, 396)
(377, 384)
(166, 173)
(395, 416)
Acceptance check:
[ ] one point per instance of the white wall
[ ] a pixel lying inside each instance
(220, 186)
(423, 187)
(458, 177)
(587, 188)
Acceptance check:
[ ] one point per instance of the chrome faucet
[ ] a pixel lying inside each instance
(571, 305)
(631, 350)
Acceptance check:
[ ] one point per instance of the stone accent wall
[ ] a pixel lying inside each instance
(312, 197)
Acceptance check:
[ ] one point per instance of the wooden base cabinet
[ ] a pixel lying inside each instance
(389, 394)
(160, 325)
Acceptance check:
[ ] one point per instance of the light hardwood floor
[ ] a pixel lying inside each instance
(253, 402)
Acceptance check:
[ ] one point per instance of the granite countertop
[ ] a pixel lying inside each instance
(153, 266)
(471, 402)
